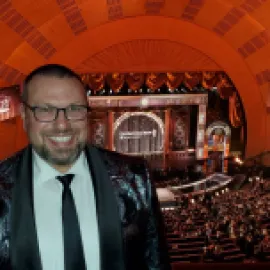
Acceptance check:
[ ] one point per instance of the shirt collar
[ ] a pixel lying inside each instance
(44, 171)
(80, 166)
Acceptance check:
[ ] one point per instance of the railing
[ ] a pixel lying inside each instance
(221, 266)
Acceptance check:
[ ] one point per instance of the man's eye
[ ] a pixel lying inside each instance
(45, 110)
(75, 108)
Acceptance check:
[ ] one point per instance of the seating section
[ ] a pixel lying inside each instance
(232, 227)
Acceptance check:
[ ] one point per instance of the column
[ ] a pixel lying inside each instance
(166, 138)
(110, 130)
(200, 142)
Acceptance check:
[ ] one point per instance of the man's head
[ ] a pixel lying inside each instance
(58, 136)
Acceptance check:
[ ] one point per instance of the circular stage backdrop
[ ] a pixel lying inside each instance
(139, 133)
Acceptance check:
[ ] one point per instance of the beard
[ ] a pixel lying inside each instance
(63, 157)
(57, 156)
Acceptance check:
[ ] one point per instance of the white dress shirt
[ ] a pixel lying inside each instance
(48, 216)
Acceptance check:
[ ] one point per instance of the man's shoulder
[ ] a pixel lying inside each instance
(119, 157)
(9, 165)
(119, 160)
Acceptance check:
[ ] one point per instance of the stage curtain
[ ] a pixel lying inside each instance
(135, 80)
(192, 79)
(155, 80)
(209, 79)
(173, 80)
(116, 81)
(235, 111)
(95, 81)
(225, 87)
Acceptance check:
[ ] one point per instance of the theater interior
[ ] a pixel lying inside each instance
(186, 85)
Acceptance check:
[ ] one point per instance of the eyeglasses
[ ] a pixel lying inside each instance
(50, 113)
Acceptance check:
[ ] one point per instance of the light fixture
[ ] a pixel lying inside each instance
(4, 104)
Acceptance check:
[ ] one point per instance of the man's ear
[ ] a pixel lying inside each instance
(22, 113)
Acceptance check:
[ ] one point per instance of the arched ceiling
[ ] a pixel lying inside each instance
(36, 32)
(145, 35)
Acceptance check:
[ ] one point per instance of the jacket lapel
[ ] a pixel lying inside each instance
(24, 249)
(110, 234)
(24, 246)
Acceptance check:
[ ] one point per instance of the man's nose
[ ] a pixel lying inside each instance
(61, 121)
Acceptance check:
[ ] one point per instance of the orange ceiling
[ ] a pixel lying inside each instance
(34, 32)
(143, 35)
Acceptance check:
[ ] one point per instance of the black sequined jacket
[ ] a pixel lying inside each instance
(131, 230)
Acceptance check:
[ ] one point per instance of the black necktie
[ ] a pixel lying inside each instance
(73, 250)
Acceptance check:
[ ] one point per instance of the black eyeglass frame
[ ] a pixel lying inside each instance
(33, 109)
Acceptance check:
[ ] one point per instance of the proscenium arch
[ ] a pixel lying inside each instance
(150, 115)
(218, 124)
(175, 30)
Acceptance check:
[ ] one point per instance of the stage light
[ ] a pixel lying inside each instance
(184, 90)
(238, 161)
(200, 153)
(201, 118)
(102, 92)
(144, 102)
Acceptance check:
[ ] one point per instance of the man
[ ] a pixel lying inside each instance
(67, 204)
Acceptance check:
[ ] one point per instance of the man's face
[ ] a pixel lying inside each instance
(61, 141)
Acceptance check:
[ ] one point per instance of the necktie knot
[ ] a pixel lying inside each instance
(65, 179)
